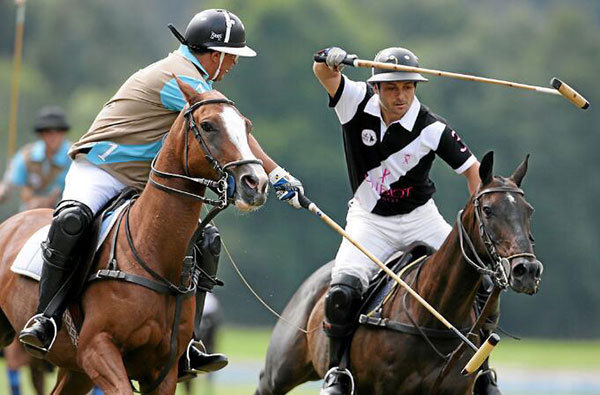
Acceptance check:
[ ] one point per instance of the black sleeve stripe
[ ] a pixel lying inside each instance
(333, 101)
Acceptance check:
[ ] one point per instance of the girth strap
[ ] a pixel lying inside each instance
(105, 274)
(409, 329)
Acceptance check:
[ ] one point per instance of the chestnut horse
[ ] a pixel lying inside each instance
(127, 330)
(496, 222)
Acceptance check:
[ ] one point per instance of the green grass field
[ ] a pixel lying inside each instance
(246, 348)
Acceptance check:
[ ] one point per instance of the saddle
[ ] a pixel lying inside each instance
(381, 284)
(29, 260)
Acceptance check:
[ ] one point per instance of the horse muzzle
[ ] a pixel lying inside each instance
(251, 184)
(525, 275)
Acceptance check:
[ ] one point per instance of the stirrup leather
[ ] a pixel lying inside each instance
(55, 327)
(343, 372)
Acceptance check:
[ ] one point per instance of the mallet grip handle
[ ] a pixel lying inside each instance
(320, 58)
(484, 351)
(570, 94)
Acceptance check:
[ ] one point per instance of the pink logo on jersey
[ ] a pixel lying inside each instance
(457, 137)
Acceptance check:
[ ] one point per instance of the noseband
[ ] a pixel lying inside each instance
(501, 267)
(224, 186)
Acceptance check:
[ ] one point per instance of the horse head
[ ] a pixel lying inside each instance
(221, 132)
(503, 218)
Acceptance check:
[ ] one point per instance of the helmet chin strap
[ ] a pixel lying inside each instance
(214, 77)
(228, 24)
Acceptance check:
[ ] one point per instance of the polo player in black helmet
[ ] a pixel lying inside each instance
(117, 151)
(390, 140)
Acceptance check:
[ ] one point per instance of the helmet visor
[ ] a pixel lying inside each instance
(397, 76)
(244, 51)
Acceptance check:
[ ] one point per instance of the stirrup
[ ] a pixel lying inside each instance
(343, 372)
(187, 372)
(38, 350)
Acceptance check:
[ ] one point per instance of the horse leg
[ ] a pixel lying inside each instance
(287, 364)
(168, 385)
(70, 382)
(102, 361)
(7, 332)
(38, 369)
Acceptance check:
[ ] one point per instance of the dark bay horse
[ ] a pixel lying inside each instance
(127, 329)
(497, 222)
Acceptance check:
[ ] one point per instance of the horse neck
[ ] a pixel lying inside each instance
(162, 224)
(448, 282)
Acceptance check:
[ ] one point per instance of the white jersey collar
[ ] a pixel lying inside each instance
(407, 121)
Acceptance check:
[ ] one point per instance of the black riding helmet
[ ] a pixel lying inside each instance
(396, 55)
(217, 30)
(51, 118)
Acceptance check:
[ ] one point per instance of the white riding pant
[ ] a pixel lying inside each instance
(383, 236)
(89, 184)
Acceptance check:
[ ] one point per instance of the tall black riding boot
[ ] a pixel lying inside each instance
(341, 307)
(195, 359)
(486, 382)
(69, 225)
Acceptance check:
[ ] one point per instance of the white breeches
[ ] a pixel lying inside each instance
(383, 236)
(90, 185)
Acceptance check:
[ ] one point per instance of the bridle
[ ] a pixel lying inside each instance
(500, 270)
(224, 186)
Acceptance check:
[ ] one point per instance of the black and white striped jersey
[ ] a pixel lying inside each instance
(389, 166)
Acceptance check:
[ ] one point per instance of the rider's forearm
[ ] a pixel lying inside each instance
(472, 175)
(268, 163)
(330, 79)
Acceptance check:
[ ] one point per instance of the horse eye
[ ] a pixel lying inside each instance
(487, 211)
(208, 127)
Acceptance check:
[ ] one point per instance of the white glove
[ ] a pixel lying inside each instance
(286, 186)
(335, 57)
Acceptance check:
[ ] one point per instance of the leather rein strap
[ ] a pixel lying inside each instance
(222, 185)
(501, 267)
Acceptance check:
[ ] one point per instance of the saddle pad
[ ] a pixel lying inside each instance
(29, 260)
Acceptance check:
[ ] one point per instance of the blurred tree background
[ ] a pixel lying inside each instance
(77, 53)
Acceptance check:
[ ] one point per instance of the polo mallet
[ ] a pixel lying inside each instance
(560, 88)
(481, 353)
(14, 90)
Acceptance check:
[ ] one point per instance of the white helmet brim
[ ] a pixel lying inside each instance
(397, 76)
(245, 51)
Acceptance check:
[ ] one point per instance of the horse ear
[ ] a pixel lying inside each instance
(186, 89)
(486, 168)
(519, 173)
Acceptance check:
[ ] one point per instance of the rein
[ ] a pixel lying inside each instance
(224, 186)
(501, 267)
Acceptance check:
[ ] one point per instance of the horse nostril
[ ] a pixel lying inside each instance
(250, 180)
(519, 270)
